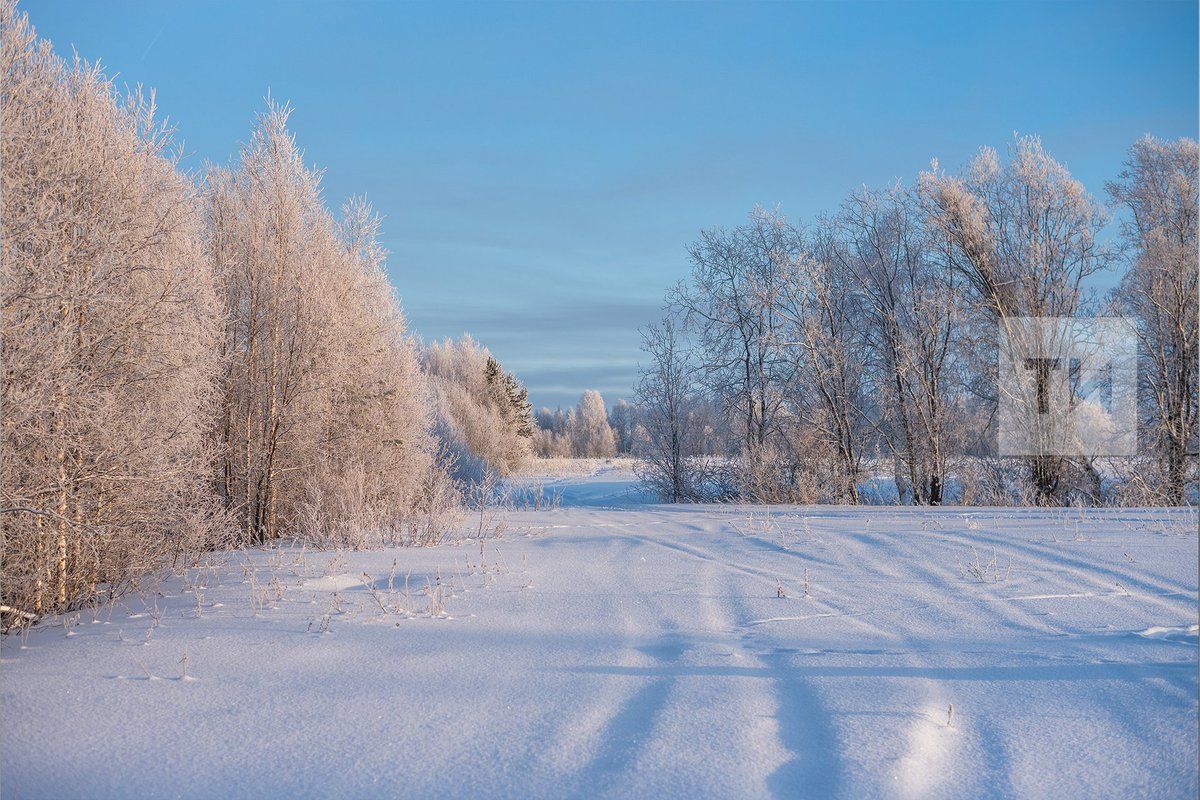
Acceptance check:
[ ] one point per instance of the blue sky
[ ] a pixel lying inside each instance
(541, 167)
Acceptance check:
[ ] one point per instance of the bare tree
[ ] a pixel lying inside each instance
(1024, 236)
(731, 303)
(670, 441)
(823, 313)
(1158, 187)
(910, 306)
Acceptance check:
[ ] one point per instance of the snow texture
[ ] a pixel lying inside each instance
(613, 648)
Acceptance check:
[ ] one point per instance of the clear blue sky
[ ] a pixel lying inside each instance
(541, 167)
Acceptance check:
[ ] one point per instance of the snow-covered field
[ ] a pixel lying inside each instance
(612, 648)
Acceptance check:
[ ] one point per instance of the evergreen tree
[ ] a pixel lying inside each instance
(518, 398)
(510, 397)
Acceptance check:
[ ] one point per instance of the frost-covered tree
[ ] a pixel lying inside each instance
(669, 440)
(551, 435)
(483, 412)
(623, 419)
(1158, 189)
(324, 423)
(378, 462)
(109, 334)
(591, 435)
(1024, 234)
(822, 314)
(909, 308)
(730, 304)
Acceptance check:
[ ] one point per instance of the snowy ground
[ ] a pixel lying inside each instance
(611, 648)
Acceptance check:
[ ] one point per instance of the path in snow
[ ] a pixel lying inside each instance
(616, 649)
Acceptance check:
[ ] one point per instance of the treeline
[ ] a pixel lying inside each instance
(817, 357)
(580, 432)
(588, 430)
(195, 361)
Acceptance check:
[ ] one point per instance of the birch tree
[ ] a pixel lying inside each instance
(324, 423)
(670, 443)
(823, 331)
(591, 435)
(731, 304)
(108, 337)
(910, 309)
(1025, 236)
(1158, 189)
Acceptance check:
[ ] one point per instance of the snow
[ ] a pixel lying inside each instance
(615, 648)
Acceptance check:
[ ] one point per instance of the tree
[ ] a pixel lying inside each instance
(108, 337)
(324, 427)
(376, 467)
(731, 304)
(670, 441)
(623, 419)
(822, 317)
(483, 412)
(591, 435)
(511, 397)
(1158, 189)
(270, 238)
(909, 303)
(1024, 236)
(552, 433)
